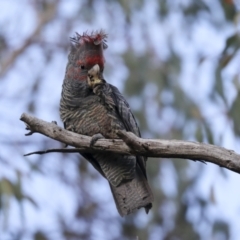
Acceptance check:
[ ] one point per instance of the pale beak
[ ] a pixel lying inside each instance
(95, 76)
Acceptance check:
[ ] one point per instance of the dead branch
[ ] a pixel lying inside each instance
(133, 145)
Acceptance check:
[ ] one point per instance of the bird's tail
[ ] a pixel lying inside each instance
(133, 194)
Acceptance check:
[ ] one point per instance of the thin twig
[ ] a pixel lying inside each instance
(52, 150)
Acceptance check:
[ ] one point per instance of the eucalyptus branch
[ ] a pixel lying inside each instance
(130, 144)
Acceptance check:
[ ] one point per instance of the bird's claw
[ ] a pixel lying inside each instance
(95, 138)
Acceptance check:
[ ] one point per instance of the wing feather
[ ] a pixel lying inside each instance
(127, 118)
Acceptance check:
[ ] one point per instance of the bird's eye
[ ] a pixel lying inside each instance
(82, 67)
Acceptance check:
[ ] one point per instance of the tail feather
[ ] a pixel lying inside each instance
(132, 195)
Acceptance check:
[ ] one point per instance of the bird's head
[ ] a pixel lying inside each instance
(86, 52)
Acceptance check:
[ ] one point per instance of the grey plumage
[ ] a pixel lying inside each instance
(100, 108)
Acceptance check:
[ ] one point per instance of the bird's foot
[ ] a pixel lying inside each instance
(94, 139)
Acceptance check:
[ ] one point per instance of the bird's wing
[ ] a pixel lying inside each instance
(126, 116)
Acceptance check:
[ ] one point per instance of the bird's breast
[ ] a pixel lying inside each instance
(92, 117)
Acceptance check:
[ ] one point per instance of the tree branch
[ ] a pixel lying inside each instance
(133, 145)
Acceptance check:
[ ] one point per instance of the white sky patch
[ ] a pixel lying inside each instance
(167, 178)
(68, 8)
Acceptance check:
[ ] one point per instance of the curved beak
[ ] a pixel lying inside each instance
(95, 76)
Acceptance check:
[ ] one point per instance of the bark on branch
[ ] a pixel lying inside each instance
(133, 145)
